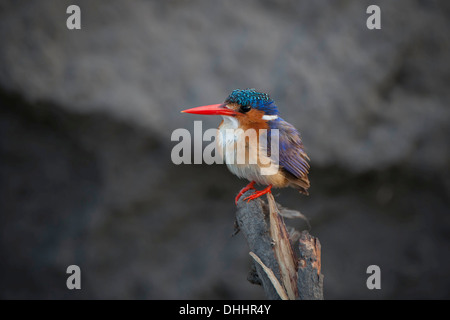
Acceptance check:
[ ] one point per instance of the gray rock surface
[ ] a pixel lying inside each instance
(362, 99)
(87, 115)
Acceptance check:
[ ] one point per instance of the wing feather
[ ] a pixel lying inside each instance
(292, 156)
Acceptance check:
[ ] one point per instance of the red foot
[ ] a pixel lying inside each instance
(258, 194)
(244, 190)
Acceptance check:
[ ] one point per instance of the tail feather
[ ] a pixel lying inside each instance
(301, 184)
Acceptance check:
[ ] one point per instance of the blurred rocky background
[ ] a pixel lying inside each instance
(86, 118)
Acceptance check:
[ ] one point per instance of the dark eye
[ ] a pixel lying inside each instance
(245, 109)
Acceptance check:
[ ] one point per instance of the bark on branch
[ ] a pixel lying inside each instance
(285, 270)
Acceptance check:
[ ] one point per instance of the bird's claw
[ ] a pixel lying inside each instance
(258, 194)
(244, 190)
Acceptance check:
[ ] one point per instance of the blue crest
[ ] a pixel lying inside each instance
(253, 98)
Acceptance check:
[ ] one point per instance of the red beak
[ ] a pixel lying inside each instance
(213, 109)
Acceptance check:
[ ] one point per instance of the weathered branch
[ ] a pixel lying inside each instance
(282, 274)
(309, 279)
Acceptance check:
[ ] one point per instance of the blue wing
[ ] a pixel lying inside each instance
(293, 158)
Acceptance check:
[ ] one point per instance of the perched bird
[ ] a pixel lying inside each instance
(249, 109)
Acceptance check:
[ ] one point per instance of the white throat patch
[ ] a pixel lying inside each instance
(229, 123)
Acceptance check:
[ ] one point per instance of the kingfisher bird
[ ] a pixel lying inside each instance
(249, 109)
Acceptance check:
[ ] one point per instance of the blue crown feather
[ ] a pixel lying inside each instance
(253, 98)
